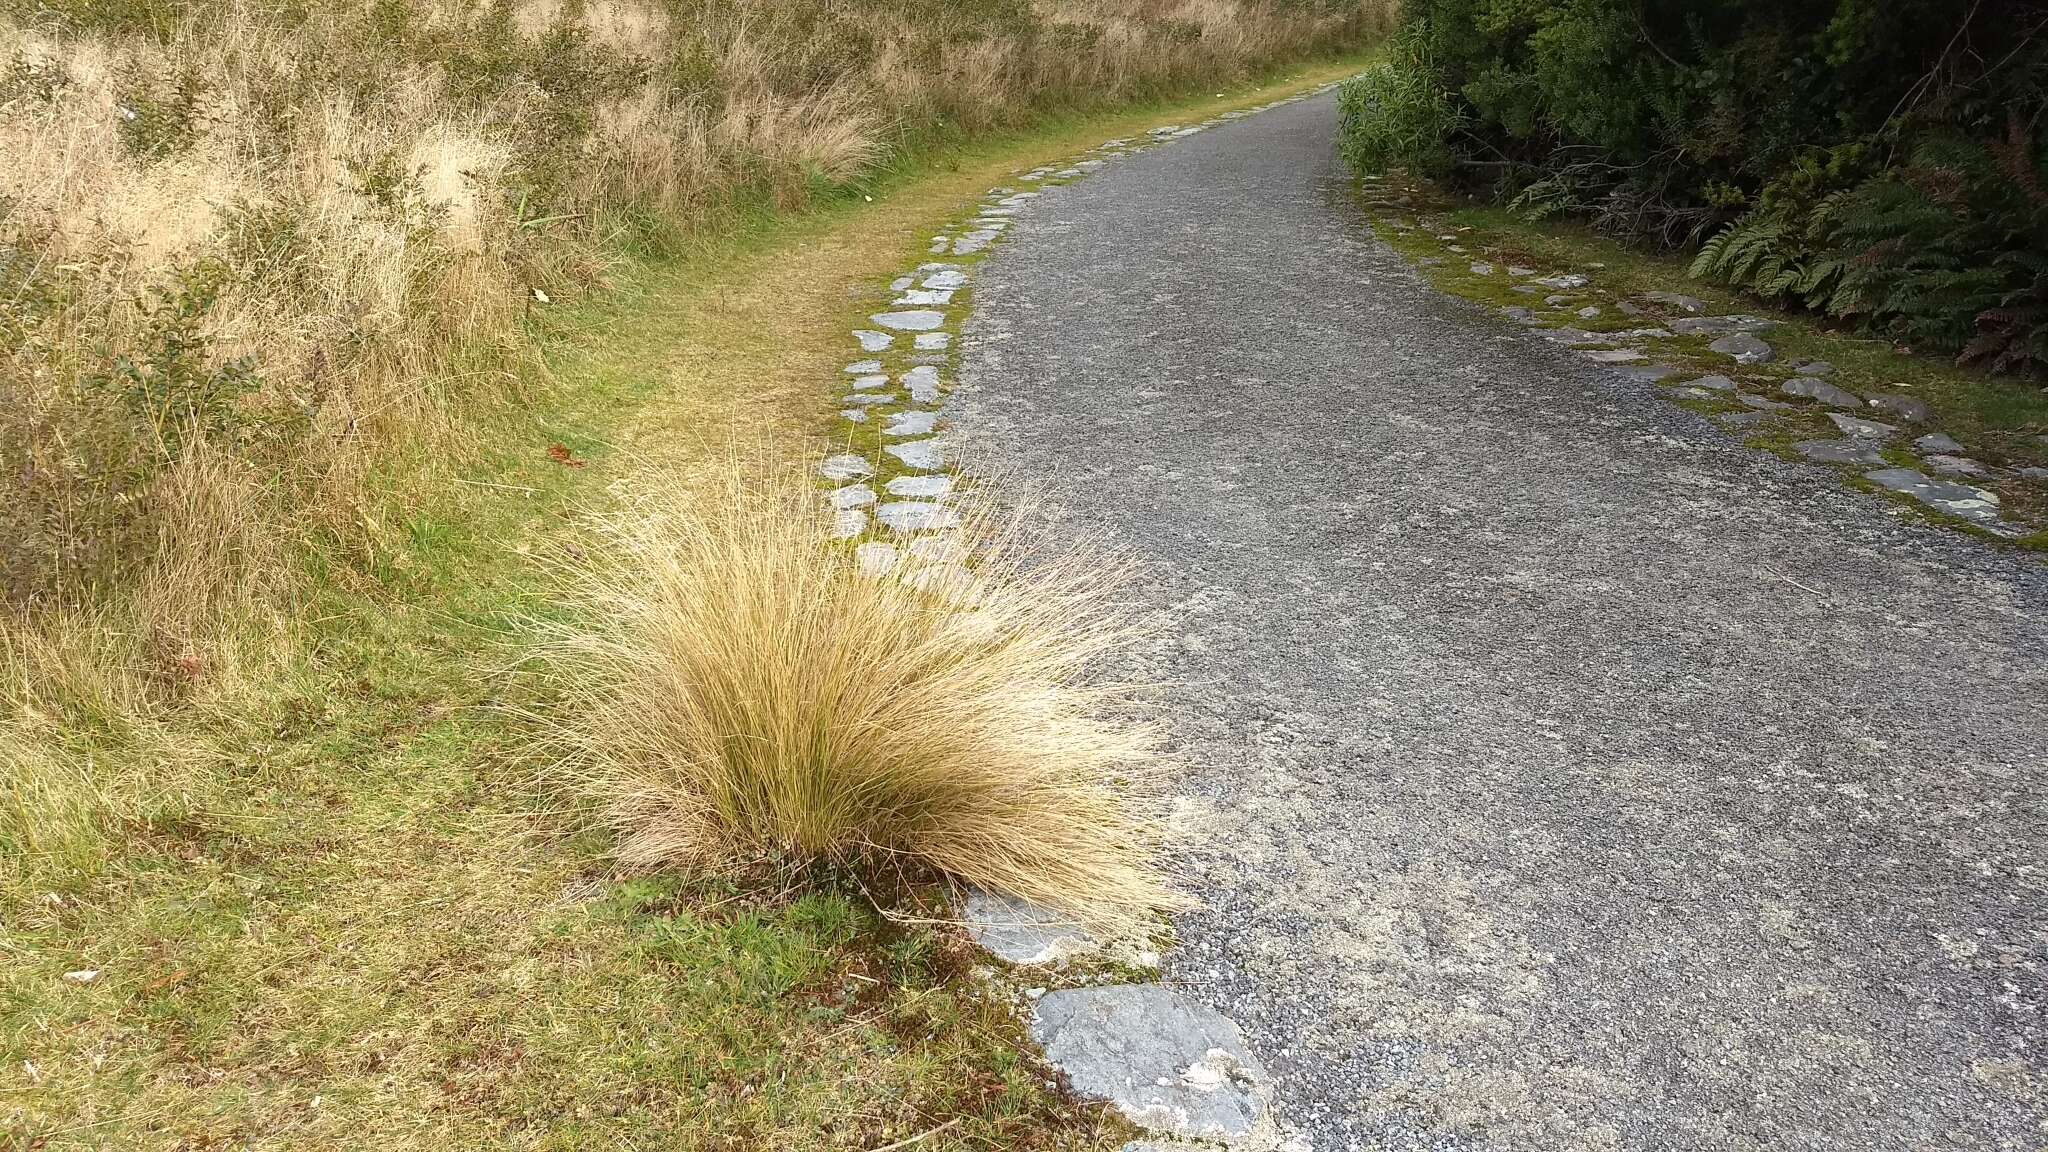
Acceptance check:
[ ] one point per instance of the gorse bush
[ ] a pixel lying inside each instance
(1881, 162)
(740, 690)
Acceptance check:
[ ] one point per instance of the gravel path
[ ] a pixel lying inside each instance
(1563, 774)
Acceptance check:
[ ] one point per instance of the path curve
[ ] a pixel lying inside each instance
(1564, 774)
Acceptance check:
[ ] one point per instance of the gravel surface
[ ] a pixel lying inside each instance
(1561, 774)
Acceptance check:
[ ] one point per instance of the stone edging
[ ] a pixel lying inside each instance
(1169, 1064)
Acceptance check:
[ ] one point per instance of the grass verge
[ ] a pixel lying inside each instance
(359, 926)
(2001, 423)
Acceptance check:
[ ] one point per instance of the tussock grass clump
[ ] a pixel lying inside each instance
(743, 690)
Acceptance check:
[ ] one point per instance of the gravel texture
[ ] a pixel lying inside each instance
(1559, 773)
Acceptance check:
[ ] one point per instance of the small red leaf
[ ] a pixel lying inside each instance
(560, 454)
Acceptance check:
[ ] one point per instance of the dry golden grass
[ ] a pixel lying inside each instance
(740, 690)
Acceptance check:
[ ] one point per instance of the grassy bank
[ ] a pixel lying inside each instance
(2000, 423)
(338, 912)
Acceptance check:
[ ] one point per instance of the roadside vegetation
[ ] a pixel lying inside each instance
(737, 690)
(328, 331)
(1883, 164)
(1869, 176)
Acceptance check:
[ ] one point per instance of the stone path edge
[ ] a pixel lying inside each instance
(1170, 1065)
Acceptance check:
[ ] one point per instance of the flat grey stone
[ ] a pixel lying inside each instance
(851, 496)
(848, 523)
(1950, 465)
(870, 399)
(1458, 248)
(1628, 309)
(907, 516)
(1524, 289)
(1961, 500)
(1937, 442)
(1646, 373)
(873, 559)
(923, 455)
(1815, 368)
(914, 320)
(1838, 452)
(1762, 403)
(845, 466)
(923, 382)
(1518, 314)
(857, 415)
(901, 282)
(1822, 391)
(975, 241)
(921, 487)
(1746, 349)
(1615, 355)
(1011, 929)
(1481, 268)
(1588, 312)
(873, 341)
(1716, 383)
(1676, 300)
(939, 244)
(863, 367)
(1905, 407)
(1724, 325)
(1169, 1064)
(912, 424)
(934, 341)
(1563, 282)
(869, 383)
(1518, 270)
(1861, 429)
(946, 278)
(2033, 473)
(1742, 419)
(924, 297)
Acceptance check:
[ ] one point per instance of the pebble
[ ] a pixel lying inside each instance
(1838, 451)
(1862, 429)
(1745, 348)
(915, 320)
(1822, 391)
(1905, 407)
(923, 382)
(911, 424)
(851, 496)
(921, 487)
(1955, 465)
(845, 466)
(907, 516)
(923, 455)
(1974, 504)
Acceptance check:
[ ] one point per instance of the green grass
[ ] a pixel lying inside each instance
(2001, 422)
(377, 930)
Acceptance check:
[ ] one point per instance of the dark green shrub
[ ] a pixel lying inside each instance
(1879, 160)
(1394, 115)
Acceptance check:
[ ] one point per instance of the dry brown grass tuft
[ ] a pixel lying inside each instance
(741, 690)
